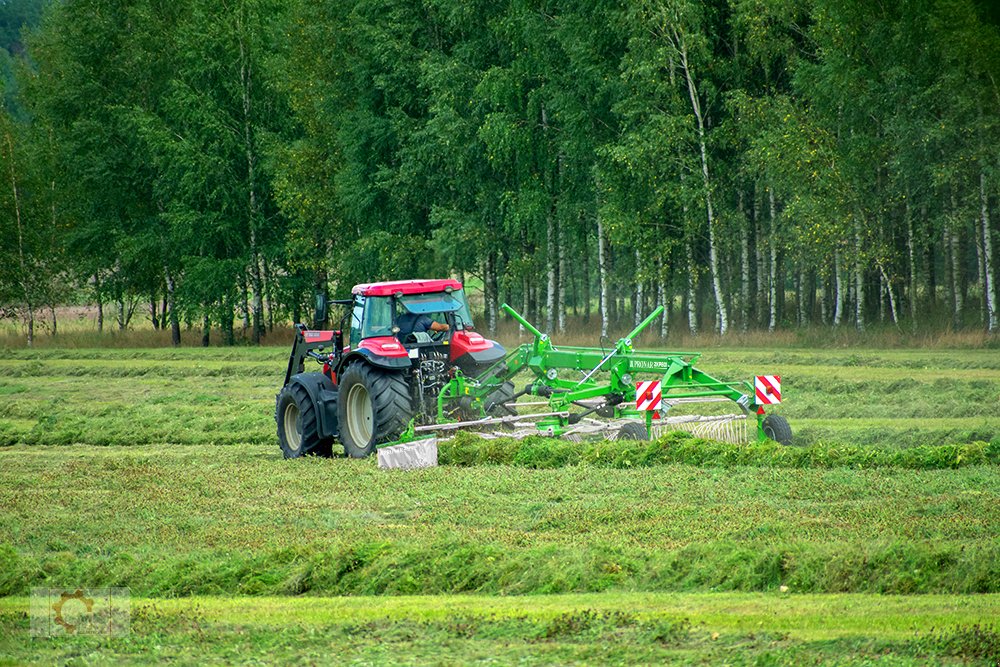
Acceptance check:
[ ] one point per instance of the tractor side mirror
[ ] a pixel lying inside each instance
(321, 308)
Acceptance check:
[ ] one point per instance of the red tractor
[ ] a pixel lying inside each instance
(406, 339)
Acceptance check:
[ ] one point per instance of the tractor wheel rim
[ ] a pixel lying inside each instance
(359, 415)
(293, 427)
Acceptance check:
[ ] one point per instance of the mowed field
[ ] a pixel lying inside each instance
(876, 542)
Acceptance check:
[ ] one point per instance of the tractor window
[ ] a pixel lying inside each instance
(357, 314)
(438, 303)
(378, 317)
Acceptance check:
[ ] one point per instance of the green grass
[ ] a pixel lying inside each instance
(889, 398)
(644, 628)
(240, 520)
(157, 469)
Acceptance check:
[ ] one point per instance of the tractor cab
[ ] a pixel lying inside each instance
(410, 318)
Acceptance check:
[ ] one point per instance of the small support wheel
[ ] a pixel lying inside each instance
(632, 431)
(776, 428)
(496, 402)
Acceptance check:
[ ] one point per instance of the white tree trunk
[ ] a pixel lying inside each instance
(951, 236)
(561, 291)
(912, 258)
(602, 264)
(29, 305)
(550, 301)
(772, 322)
(692, 290)
(990, 286)
(713, 259)
(661, 297)
(838, 309)
(859, 278)
(744, 276)
(639, 294)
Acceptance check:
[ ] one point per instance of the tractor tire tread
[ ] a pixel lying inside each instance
(392, 407)
(312, 443)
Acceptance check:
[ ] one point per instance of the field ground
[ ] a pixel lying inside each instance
(157, 469)
(607, 628)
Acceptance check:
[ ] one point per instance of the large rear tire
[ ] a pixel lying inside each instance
(776, 428)
(374, 407)
(298, 424)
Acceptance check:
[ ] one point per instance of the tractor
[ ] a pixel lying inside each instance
(413, 367)
(380, 377)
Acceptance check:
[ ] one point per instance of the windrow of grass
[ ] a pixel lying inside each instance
(605, 629)
(239, 520)
(679, 447)
(190, 396)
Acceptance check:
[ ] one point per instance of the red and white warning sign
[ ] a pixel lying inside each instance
(768, 389)
(648, 395)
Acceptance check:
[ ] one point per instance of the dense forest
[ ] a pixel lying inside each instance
(747, 163)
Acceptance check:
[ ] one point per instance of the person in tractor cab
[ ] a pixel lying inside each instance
(410, 323)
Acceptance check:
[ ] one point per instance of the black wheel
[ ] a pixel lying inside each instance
(298, 423)
(374, 406)
(632, 431)
(776, 428)
(496, 402)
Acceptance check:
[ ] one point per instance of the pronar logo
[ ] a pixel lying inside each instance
(656, 365)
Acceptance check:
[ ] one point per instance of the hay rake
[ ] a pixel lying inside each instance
(585, 392)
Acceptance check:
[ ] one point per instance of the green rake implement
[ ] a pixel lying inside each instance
(581, 392)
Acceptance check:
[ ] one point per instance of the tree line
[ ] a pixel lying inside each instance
(745, 163)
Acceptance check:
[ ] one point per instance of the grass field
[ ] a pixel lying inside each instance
(157, 469)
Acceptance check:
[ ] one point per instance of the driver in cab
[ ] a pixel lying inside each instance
(409, 323)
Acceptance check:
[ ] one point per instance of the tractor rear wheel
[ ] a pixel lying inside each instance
(776, 428)
(298, 424)
(374, 407)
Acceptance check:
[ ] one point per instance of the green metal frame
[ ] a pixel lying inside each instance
(605, 373)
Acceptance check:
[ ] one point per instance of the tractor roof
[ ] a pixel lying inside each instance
(406, 287)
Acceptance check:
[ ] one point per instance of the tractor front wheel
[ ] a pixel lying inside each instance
(776, 428)
(298, 424)
(374, 407)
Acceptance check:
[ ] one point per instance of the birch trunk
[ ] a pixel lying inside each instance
(561, 281)
(602, 259)
(692, 290)
(824, 306)
(175, 325)
(744, 272)
(525, 302)
(990, 287)
(492, 292)
(253, 206)
(772, 322)
(952, 240)
(758, 249)
(29, 305)
(100, 302)
(713, 258)
(912, 258)
(661, 297)
(639, 295)
(838, 301)
(859, 278)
